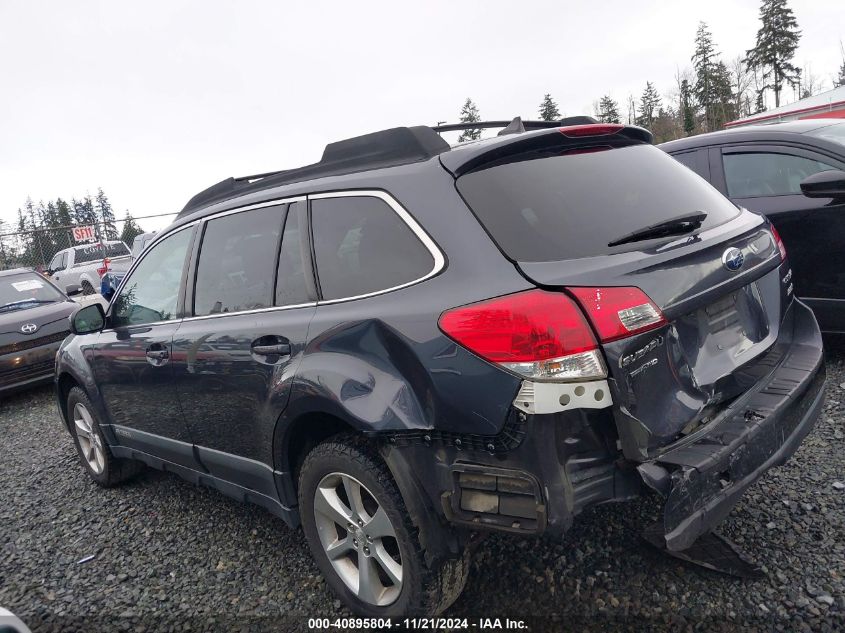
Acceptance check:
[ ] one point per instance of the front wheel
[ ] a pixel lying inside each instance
(98, 461)
(363, 539)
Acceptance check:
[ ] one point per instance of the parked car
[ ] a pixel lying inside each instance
(85, 265)
(794, 173)
(110, 281)
(407, 343)
(141, 242)
(33, 323)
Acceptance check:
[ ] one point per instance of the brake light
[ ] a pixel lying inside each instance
(778, 242)
(591, 129)
(619, 312)
(102, 270)
(537, 334)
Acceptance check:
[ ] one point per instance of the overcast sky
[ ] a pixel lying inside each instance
(154, 101)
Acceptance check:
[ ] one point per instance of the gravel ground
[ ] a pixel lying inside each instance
(170, 556)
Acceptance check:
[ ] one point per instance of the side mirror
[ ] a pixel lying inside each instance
(824, 184)
(71, 290)
(88, 319)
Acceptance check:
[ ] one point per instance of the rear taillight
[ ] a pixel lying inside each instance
(779, 242)
(102, 270)
(591, 129)
(619, 312)
(537, 334)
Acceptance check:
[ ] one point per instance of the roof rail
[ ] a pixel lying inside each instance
(526, 125)
(387, 148)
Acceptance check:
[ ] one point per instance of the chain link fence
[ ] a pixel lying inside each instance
(35, 248)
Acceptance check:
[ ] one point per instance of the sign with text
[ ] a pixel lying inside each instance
(84, 234)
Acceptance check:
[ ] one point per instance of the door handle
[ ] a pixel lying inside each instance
(280, 349)
(157, 356)
(271, 346)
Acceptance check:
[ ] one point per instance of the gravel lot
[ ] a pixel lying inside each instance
(169, 556)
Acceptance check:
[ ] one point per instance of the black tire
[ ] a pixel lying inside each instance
(115, 471)
(426, 590)
(87, 288)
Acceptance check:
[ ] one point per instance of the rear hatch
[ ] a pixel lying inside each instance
(571, 218)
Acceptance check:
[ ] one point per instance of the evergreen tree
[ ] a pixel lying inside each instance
(83, 211)
(548, 109)
(608, 111)
(704, 65)
(777, 41)
(649, 106)
(687, 112)
(106, 216)
(63, 213)
(723, 109)
(469, 114)
(130, 230)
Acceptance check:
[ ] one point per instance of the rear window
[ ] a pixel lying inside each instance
(100, 251)
(571, 205)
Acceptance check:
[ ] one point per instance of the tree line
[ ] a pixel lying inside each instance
(42, 229)
(712, 91)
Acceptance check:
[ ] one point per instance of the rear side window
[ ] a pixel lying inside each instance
(97, 252)
(235, 269)
(571, 205)
(696, 160)
(758, 174)
(291, 287)
(361, 246)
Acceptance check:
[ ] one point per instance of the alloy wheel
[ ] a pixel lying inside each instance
(89, 439)
(358, 538)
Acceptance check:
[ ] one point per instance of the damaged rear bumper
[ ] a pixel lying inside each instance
(702, 480)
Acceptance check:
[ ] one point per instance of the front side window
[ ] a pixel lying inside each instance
(57, 262)
(237, 256)
(760, 174)
(361, 246)
(151, 293)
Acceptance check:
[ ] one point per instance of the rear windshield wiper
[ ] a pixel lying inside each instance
(674, 226)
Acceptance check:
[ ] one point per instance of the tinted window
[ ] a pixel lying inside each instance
(57, 262)
(767, 174)
(564, 206)
(363, 246)
(151, 293)
(290, 285)
(96, 252)
(237, 255)
(697, 161)
(27, 290)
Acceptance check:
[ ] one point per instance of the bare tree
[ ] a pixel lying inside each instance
(811, 84)
(741, 85)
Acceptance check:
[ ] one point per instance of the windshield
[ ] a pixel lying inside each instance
(571, 205)
(94, 252)
(18, 292)
(835, 133)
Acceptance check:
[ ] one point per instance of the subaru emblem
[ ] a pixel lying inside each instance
(29, 328)
(733, 259)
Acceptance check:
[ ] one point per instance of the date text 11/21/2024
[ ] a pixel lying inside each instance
(418, 624)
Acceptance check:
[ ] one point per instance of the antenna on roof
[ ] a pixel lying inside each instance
(514, 127)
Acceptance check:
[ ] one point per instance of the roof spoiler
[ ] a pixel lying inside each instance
(513, 126)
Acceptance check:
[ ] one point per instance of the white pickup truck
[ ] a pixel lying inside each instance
(85, 264)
